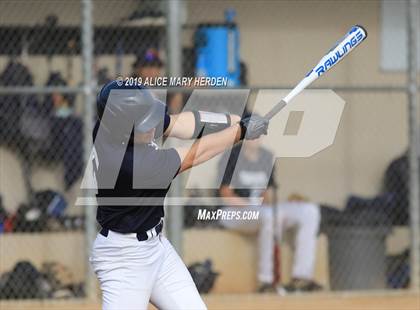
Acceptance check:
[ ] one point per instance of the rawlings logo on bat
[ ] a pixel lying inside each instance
(359, 36)
(336, 53)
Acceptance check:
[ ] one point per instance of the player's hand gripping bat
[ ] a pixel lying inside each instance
(341, 49)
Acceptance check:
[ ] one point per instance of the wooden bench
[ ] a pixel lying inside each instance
(67, 248)
(234, 255)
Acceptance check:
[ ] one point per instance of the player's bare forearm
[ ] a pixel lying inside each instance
(209, 146)
(182, 126)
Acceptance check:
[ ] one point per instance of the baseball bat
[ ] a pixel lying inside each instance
(341, 49)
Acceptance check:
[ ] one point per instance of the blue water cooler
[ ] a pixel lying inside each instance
(217, 50)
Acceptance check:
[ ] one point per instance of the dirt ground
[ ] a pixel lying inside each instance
(324, 301)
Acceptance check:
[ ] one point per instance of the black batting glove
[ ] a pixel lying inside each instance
(253, 127)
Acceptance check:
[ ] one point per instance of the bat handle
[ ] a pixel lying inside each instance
(276, 109)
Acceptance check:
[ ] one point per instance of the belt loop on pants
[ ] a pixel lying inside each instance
(153, 232)
(141, 236)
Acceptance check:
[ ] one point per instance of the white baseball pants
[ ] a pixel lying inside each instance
(302, 215)
(132, 273)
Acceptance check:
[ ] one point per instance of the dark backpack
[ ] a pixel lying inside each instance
(397, 183)
(24, 282)
(44, 205)
(203, 275)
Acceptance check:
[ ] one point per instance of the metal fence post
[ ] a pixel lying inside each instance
(414, 143)
(174, 50)
(88, 87)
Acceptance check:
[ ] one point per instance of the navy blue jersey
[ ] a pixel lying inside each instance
(144, 178)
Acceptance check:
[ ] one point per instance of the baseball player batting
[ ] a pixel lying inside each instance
(134, 262)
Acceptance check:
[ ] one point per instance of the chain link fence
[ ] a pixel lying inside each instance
(345, 209)
(339, 220)
(41, 146)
